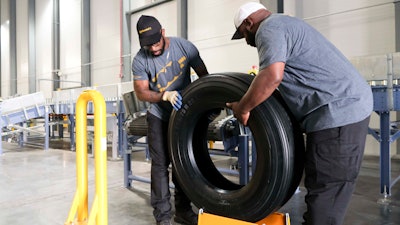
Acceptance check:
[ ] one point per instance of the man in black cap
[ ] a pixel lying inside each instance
(161, 69)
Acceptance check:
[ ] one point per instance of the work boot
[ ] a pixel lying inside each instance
(187, 217)
(164, 222)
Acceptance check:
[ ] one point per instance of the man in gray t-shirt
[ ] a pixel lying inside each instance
(326, 94)
(161, 69)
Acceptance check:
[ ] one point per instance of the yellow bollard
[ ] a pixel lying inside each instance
(211, 144)
(253, 71)
(99, 211)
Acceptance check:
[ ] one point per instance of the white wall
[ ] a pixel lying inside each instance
(105, 42)
(44, 9)
(22, 48)
(139, 3)
(70, 43)
(5, 49)
(43, 38)
(210, 28)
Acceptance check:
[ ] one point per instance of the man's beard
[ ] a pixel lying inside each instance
(162, 49)
(251, 39)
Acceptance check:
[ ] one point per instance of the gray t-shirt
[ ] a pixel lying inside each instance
(167, 72)
(321, 87)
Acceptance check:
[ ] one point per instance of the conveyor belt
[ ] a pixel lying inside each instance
(21, 109)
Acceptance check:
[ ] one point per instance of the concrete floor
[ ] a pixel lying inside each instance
(37, 187)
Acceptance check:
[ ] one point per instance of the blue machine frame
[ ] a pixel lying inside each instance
(387, 133)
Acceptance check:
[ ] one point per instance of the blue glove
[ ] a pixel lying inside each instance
(174, 98)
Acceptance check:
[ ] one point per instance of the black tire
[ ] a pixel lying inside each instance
(279, 149)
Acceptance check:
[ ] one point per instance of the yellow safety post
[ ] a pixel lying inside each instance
(253, 71)
(65, 120)
(211, 144)
(99, 210)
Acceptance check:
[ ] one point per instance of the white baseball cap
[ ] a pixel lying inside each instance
(242, 13)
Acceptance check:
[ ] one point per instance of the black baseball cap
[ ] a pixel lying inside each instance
(149, 30)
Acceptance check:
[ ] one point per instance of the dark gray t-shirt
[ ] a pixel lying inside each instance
(321, 87)
(167, 72)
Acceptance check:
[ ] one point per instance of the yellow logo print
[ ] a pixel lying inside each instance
(144, 30)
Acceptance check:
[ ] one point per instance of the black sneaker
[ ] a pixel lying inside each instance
(164, 222)
(187, 217)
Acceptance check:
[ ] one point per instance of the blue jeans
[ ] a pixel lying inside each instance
(157, 136)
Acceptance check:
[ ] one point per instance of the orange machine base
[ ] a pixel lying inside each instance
(273, 219)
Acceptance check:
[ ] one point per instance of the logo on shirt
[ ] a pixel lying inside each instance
(174, 66)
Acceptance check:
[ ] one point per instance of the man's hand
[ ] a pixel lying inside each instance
(174, 98)
(241, 116)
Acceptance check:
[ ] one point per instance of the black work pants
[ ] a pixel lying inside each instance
(333, 161)
(160, 194)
